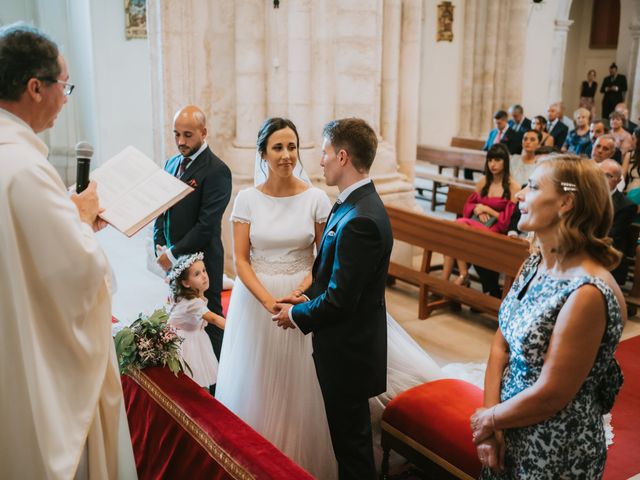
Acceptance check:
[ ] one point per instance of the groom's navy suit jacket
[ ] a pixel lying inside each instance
(347, 311)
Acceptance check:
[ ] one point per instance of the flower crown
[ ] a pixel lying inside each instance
(183, 264)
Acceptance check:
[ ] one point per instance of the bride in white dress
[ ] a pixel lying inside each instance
(266, 375)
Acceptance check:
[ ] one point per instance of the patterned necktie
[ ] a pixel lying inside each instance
(183, 166)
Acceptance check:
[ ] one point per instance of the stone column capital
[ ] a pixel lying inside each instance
(634, 30)
(562, 25)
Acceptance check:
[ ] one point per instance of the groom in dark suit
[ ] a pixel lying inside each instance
(193, 224)
(345, 306)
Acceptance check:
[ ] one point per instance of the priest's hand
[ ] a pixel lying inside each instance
(99, 223)
(87, 204)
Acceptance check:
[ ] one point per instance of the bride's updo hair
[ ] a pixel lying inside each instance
(271, 125)
(586, 226)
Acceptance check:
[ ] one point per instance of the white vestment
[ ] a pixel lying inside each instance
(60, 390)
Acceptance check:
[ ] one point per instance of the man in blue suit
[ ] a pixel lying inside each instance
(194, 223)
(345, 306)
(503, 133)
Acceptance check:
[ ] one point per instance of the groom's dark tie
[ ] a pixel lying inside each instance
(333, 209)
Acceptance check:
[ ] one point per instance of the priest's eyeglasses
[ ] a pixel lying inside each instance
(67, 87)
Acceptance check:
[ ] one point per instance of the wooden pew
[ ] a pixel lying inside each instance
(456, 198)
(451, 157)
(486, 249)
(463, 142)
(446, 157)
(438, 180)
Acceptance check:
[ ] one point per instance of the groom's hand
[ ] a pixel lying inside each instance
(282, 317)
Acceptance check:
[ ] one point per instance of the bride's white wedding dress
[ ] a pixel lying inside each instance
(266, 375)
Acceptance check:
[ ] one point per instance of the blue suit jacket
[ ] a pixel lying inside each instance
(511, 138)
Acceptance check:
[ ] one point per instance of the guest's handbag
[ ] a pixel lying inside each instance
(488, 223)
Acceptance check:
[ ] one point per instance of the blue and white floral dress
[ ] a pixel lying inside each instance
(570, 444)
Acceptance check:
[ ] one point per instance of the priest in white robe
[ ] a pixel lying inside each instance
(60, 396)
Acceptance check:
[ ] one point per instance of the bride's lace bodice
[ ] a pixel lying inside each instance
(282, 230)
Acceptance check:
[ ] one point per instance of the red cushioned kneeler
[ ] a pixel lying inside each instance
(429, 425)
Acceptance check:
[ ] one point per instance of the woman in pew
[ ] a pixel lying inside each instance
(521, 166)
(551, 372)
(490, 207)
(540, 124)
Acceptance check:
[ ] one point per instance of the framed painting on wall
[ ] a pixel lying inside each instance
(135, 19)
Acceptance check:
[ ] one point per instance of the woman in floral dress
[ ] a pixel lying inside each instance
(551, 372)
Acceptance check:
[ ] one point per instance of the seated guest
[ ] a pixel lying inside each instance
(597, 127)
(522, 165)
(565, 119)
(624, 211)
(578, 139)
(605, 147)
(502, 133)
(540, 124)
(557, 129)
(624, 141)
(552, 373)
(490, 207)
(632, 171)
(627, 124)
(518, 121)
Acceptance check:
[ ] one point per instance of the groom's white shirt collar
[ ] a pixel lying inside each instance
(354, 186)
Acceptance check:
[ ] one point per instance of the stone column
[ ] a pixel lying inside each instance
(391, 34)
(407, 140)
(558, 50)
(491, 74)
(299, 68)
(633, 95)
(250, 71)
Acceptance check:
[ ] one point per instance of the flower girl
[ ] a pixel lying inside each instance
(189, 315)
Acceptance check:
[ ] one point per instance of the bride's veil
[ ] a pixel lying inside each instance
(261, 171)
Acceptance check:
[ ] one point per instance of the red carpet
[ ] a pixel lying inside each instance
(623, 457)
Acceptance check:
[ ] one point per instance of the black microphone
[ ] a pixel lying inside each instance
(84, 152)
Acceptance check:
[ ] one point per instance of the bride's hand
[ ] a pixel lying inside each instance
(270, 305)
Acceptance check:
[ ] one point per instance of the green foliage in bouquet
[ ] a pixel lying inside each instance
(149, 342)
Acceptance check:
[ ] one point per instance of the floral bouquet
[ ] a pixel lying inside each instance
(149, 342)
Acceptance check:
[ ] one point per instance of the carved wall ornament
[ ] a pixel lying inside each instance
(445, 22)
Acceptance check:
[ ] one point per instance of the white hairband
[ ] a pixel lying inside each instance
(182, 265)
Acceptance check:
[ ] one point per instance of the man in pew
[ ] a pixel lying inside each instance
(557, 129)
(518, 121)
(604, 148)
(502, 133)
(624, 211)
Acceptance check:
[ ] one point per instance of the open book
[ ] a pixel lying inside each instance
(133, 190)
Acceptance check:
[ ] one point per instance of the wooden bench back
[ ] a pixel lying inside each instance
(490, 250)
(463, 142)
(452, 157)
(456, 198)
